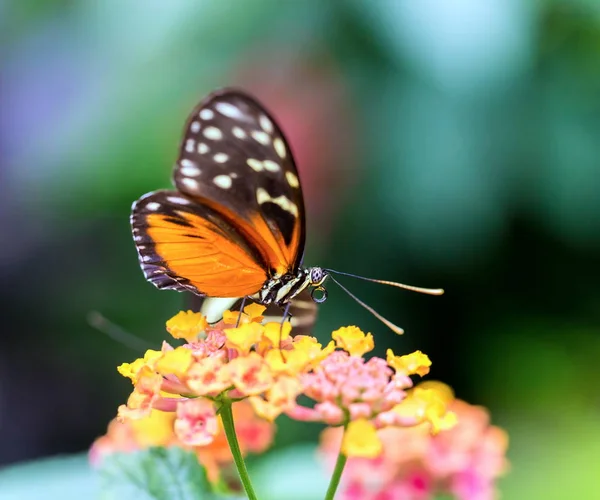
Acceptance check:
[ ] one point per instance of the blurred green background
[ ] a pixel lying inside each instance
(452, 144)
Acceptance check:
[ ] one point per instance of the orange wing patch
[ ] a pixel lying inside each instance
(204, 253)
(278, 255)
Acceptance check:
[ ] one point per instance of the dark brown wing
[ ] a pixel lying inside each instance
(235, 160)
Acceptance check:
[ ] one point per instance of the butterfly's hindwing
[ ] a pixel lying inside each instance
(235, 159)
(186, 246)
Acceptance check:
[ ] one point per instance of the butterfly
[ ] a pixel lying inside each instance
(235, 225)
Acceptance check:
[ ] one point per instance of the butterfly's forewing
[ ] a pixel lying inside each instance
(302, 311)
(235, 160)
(186, 246)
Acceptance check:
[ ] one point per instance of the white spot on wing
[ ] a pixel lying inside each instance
(260, 136)
(279, 147)
(212, 133)
(266, 124)
(228, 109)
(221, 157)
(178, 200)
(271, 166)
(203, 148)
(190, 144)
(207, 114)
(255, 164)
(223, 181)
(190, 171)
(239, 132)
(263, 197)
(190, 183)
(292, 179)
(153, 205)
(189, 168)
(195, 127)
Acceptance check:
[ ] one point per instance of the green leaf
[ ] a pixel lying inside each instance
(154, 474)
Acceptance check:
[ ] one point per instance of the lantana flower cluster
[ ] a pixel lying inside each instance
(464, 461)
(255, 435)
(240, 359)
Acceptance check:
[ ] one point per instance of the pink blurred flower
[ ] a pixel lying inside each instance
(464, 461)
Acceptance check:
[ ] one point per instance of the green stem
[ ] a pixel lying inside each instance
(337, 474)
(234, 446)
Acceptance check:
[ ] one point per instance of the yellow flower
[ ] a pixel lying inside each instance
(132, 370)
(187, 325)
(252, 314)
(244, 337)
(361, 440)
(429, 402)
(291, 362)
(313, 348)
(353, 340)
(414, 363)
(154, 430)
(176, 362)
(276, 332)
(279, 398)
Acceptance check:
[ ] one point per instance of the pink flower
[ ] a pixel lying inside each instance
(350, 384)
(196, 423)
(464, 461)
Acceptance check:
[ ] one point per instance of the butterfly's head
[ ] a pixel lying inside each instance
(317, 276)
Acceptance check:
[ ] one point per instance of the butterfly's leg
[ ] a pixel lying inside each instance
(241, 309)
(286, 315)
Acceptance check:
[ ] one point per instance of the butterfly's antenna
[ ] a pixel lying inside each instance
(428, 291)
(389, 324)
(115, 332)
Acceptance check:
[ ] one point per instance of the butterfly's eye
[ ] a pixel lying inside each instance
(317, 276)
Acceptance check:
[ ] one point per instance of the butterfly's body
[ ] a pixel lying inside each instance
(280, 290)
